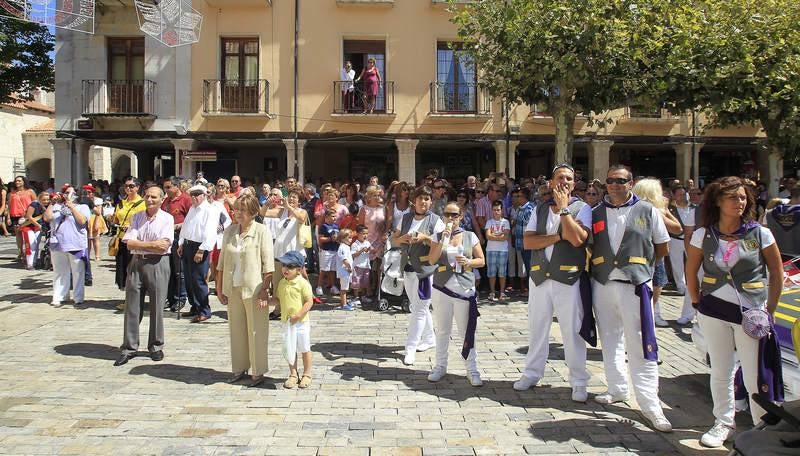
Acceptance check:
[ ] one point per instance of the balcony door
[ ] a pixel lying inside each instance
(456, 78)
(240, 74)
(126, 75)
(359, 52)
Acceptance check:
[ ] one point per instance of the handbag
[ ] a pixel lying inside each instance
(304, 235)
(113, 246)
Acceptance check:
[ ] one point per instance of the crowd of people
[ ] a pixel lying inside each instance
(592, 254)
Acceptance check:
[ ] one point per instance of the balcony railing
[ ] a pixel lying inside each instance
(363, 97)
(460, 98)
(639, 112)
(236, 96)
(118, 98)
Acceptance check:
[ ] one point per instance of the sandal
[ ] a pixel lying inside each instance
(305, 382)
(236, 377)
(291, 382)
(256, 381)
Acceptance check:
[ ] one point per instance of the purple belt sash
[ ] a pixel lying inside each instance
(472, 322)
(424, 287)
(770, 370)
(649, 342)
(588, 329)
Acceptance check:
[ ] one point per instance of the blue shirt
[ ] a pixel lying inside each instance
(523, 215)
(329, 230)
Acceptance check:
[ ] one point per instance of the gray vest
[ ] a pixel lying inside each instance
(465, 278)
(567, 262)
(788, 240)
(749, 274)
(636, 254)
(674, 211)
(417, 254)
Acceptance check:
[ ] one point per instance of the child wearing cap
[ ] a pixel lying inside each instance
(295, 298)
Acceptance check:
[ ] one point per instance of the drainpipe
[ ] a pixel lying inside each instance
(508, 137)
(692, 172)
(296, 82)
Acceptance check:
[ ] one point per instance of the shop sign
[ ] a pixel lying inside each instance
(200, 155)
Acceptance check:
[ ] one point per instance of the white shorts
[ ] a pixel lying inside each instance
(344, 282)
(296, 339)
(327, 261)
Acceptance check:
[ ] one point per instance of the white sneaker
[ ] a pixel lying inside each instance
(579, 394)
(608, 398)
(683, 321)
(319, 291)
(355, 302)
(474, 378)
(424, 347)
(717, 436)
(334, 290)
(658, 421)
(525, 383)
(437, 374)
(741, 405)
(409, 359)
(660, 322)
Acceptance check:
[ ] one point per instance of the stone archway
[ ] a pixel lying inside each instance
(121, 167)
(39, 170)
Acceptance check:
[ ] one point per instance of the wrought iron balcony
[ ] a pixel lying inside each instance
(236, 96)
(460, 98)
(118, 98)
(641, 112)
(363, 98)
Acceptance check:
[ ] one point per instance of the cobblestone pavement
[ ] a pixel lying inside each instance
(62, 395)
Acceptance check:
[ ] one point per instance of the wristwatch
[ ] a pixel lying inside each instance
(564, 211)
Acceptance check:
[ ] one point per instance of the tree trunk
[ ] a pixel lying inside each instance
(773, 156)
(565, 124)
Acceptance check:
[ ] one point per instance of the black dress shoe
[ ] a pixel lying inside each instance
(124, 358)
(157, 355)
(87, 283)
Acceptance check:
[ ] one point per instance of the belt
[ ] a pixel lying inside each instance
(622, 281)
(149, 256)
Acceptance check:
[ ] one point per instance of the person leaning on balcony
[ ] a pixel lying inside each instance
(734, 251)
(244, 275)
(346, 76)
(131, 205)
(372, 80)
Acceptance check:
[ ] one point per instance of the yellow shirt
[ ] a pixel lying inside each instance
(292, 294)
(125, 210)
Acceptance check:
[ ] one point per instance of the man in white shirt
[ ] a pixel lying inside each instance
(629, 237)
(346, 76)
(195, 242)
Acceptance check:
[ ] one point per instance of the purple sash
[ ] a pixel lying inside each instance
(424, 287)
(472, 322)
(649, 343)
(633, 200)
(588, 329)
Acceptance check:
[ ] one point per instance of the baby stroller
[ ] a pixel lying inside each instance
(42, 260)
(777, 434)
(391, 290)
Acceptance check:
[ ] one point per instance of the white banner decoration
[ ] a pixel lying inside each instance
(77, 15)
(172, 22)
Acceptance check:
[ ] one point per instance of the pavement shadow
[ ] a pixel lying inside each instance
(223, 314)
(27, 298)
(108, 304)
(557, 352)
(333, 351)
(88, 350)
(34, 284)
(683, 333)
(193, 375)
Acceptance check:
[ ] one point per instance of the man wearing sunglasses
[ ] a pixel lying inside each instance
(556, 234)
(629, 237)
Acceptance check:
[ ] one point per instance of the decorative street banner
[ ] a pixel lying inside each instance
(172, 22)
(77, 15)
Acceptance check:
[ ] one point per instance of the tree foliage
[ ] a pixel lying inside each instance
(24, 61)
(572, 57)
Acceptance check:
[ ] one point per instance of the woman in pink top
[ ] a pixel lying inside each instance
(372, 80)
(19, 199)
(373, 216)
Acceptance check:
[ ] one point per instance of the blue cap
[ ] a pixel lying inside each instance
(293, 258)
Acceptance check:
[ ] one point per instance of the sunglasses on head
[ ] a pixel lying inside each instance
(564, 165)
(451, 214)
(617, 180)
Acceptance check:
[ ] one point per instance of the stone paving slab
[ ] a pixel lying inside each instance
(62, 395)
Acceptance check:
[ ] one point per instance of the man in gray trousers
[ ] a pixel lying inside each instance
(149, 239)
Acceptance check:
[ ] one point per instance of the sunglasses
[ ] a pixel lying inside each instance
(438, 187)
(461, 196)
(479, 192)
(131, 185)
(617, 180)
(451, 214)
(591, 194)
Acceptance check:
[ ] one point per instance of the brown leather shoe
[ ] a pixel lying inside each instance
(199, 318)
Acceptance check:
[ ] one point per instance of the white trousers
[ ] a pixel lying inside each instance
(688, 311)
(64, 265)
(677, 249)
(564, 301)
(619, 325)
(33, 240)
(725, 341)
(445, 309)
(420, 321)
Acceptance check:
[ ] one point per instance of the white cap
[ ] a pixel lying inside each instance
(198, 188)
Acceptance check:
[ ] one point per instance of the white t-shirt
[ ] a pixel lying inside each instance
(285, 233)
(617, 219)
(451, 253)
(437, 228)
(726, 292)
(397, 217)
(497, 227)
(343, 254)
(687, 215)
(360, 261)
(584, 217)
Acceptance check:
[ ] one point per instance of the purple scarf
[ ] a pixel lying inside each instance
(633, 200)
(472, 322)
(649, 342)
(588, 329)
(741, 231)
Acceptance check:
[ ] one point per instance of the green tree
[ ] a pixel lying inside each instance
(571, 57)
(24, 61)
